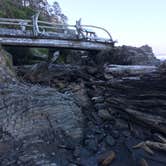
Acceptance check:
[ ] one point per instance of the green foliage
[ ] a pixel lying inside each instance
(13, 9)
(40, 52)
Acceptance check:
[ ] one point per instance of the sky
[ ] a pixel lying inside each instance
(130, 22)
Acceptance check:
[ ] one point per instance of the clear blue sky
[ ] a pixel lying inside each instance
(131, 22)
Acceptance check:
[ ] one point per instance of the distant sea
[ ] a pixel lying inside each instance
(161, 56)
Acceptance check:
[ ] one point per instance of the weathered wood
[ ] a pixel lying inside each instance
(35, 33)
(153, 121)
(14, 20)
(36, 30)
(35, 42)
(129, 70)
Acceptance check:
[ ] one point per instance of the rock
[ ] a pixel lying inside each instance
(41, 119)
(80, 94)
(127, 55)
(91, 144)
(92, 70)
(110, 140)
(115, 134)
(121, 124)
(55, 108)
(104, 114)
(126, 133)
(99, 106)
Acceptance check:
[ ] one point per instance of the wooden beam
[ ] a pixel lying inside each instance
(71, 44)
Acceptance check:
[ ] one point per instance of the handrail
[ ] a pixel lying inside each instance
(93, 26)
(14, 20)
(47, 25)
(7, 23)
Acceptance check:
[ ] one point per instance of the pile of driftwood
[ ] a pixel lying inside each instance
(137, 92)
(142, 93)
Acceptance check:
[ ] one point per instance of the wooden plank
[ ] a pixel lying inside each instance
(82, 45)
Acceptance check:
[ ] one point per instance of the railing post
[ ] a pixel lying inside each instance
(23, 25)
(35, 24)
(79, 29)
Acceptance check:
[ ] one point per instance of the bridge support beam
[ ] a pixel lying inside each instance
(54, 43)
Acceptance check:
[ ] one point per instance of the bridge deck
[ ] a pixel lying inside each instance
(71, 44)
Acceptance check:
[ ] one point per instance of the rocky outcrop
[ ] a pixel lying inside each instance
(26, 107)
(128, 55)
(37, 124)
(136, 56)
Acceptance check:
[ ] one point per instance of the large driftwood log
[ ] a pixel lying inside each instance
(46, 72)
(124, 71)
(156, 122)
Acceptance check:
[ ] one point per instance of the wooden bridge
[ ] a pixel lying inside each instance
(35, 33)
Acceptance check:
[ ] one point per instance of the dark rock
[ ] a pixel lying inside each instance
(99, 106)
(128, 55)
(110, 140)
(121, 124)
(115, 134)
(85, 153)
(100, 137)
(92, 70)
(126, 133)
(104, 114)
(42, 119)
(80, 94)
(92, 144)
